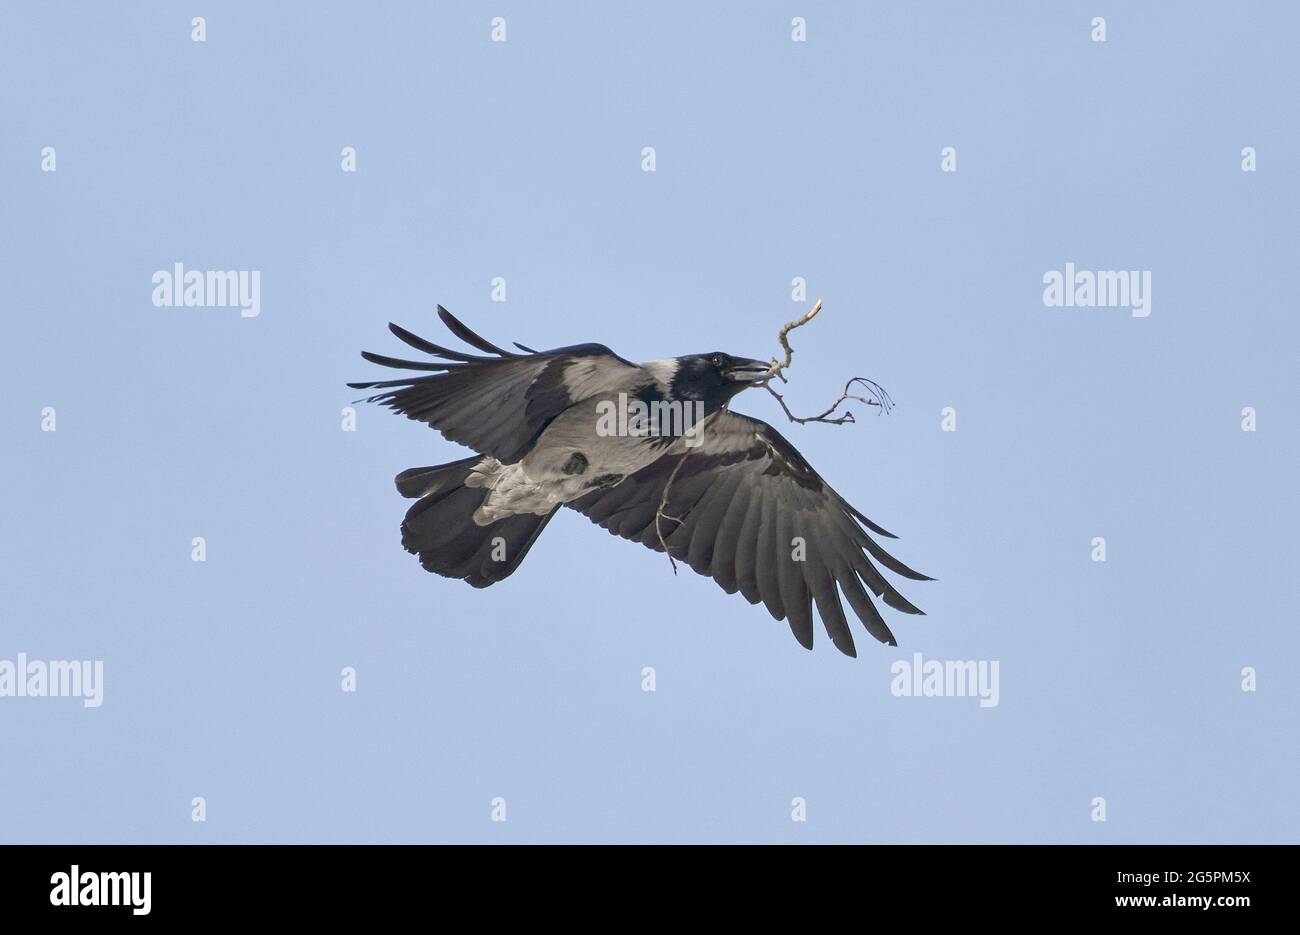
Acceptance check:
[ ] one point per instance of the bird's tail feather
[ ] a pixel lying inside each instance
(440, 526)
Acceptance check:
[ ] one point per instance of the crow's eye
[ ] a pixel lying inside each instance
(717, 360)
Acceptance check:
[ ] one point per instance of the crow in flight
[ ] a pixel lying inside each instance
(652, 453)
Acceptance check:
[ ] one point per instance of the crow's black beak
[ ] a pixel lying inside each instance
(748, 371)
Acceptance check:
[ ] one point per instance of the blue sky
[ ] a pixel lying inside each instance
(774, 160)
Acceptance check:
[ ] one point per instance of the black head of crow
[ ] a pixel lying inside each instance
(649, 451)
(713, 379)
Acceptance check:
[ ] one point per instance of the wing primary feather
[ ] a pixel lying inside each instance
(383, 384)
(893, 564)
(458, 328)
(437, 350)
(862, 605)
(707, 521)
(747, 549)
(829, 607)
(767, 554)
(724, 550)
(399, 364)
(870, 525)
(801, 620)
(794, 592)
(878, 586)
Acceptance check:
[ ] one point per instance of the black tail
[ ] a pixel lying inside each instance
(440, 528)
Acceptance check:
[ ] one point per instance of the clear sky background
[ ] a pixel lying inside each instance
(775, 159)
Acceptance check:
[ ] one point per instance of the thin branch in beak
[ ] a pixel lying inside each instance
(778, 366)
(879, 397)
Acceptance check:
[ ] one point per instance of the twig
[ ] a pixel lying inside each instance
(660, 514)
(879, 397)
(778, 366)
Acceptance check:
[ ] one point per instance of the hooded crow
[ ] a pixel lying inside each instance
(649, 451)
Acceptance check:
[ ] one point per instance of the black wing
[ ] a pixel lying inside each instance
(497, 405)
(740, 504)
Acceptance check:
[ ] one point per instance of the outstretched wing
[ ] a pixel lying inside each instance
(497, 404)
(745, 508)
